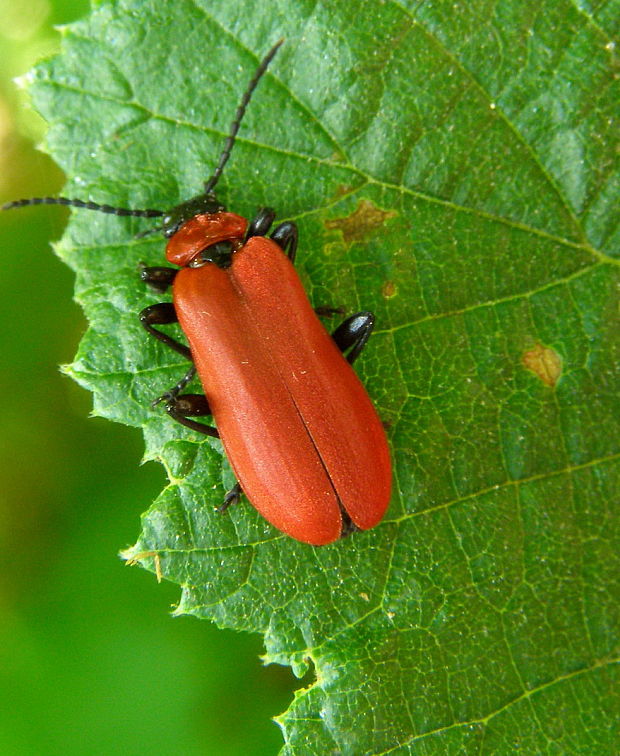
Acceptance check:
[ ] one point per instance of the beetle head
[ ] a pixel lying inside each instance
(203, 204)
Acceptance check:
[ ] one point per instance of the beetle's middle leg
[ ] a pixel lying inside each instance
(180, 408)
(163, 314)
(353, 333)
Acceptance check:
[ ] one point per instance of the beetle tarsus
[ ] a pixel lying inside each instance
(172, 393)
(232, 497)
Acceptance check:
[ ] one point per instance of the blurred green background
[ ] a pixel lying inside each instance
(91, 661)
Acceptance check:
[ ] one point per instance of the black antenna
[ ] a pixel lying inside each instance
(81, 203)
(230, 141)
(150, 213)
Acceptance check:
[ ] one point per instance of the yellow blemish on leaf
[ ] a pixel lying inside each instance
(543, 362)
(365, 219)
(389, 289)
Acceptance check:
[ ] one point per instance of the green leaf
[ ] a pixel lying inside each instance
(451, 167)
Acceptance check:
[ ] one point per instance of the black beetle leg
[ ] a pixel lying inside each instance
(328, 312)
(172, 393)
(162, 314)
(261, 224)
(285, 236)
(158, 278)
(181, 408)
(353, 334)
(232, 497)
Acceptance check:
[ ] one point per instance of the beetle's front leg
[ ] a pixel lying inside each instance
(285, 236)
(158, 277)
(353, 334)
(261, 223)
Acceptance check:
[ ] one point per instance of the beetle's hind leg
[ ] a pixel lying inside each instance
(353, 333)
(232, 497)
(182, 409)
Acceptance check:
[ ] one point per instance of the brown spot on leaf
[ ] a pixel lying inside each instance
(543, 362)
(389, 289)
(365, 219)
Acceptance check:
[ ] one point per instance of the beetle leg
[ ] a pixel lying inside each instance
(172, 393)
(232, 497)
(261, 223)
(328, 312)
(162, 314)
(158, 278)
(353, 334)
(348, 527)
(285, 236)
(181, 408)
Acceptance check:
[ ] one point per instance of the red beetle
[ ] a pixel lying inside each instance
(299, 429)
